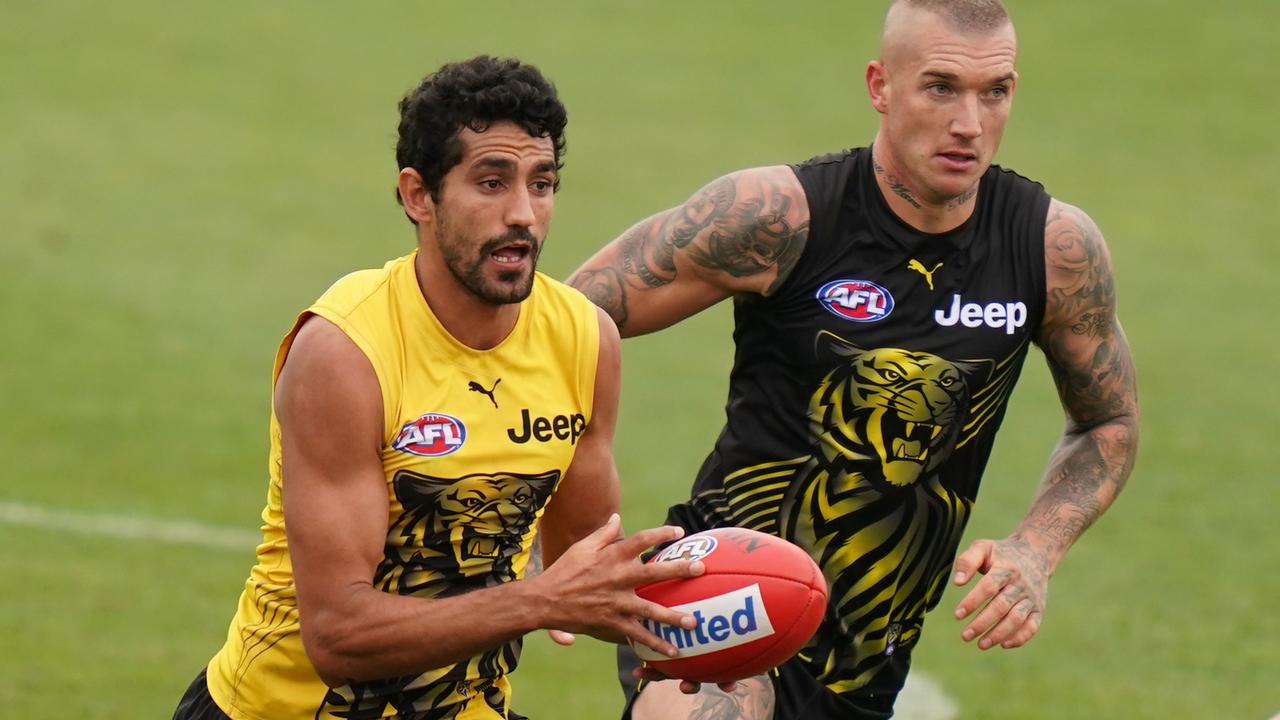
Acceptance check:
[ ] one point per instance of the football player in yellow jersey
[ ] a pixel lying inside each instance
(427, 417)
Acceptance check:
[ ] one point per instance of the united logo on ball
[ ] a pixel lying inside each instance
(431, 435)
(759, 601)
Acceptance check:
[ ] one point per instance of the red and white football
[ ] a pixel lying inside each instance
(759, 601)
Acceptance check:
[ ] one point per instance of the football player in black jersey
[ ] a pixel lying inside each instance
(885, 298)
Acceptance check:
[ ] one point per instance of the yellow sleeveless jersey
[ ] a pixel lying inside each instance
(475, 443)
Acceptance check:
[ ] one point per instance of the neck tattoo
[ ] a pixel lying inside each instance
(895, 184)
(900, 189)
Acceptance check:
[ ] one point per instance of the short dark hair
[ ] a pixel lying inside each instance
(964, 15)
(474, 94)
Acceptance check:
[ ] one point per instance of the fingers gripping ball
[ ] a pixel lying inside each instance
(759, 601)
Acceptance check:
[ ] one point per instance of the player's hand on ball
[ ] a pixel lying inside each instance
(1010, 598)
(590, 589)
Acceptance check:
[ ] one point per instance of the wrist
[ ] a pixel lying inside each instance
(531, 599)
(1049, 547)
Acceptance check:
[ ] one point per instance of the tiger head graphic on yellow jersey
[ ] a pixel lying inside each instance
(458, 534)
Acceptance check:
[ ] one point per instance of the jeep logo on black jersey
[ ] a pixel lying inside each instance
(543, 429)
(1001, 316)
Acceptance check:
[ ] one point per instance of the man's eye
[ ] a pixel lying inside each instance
(490, 184)
(541, 186)
(939, 89)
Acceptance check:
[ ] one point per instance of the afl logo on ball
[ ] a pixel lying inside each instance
(431, 435)
(856, 300)
(690, 548)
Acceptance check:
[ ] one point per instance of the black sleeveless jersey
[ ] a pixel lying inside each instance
(864, 400)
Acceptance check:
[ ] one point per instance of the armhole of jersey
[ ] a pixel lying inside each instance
(389, 404)
(1039, 225)
(821, 214)
(809, 243)
(591, 360)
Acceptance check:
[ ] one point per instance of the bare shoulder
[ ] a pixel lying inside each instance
(1080, 289)
(327, 383)
(321, 349)
(610, 339)
(608, 377)
(757, 222)
(1081, 335)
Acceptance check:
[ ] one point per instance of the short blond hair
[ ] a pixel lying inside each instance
(963, 15)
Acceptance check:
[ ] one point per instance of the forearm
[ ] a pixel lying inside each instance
(1086, 472)
(374, 634)
(1093, 369)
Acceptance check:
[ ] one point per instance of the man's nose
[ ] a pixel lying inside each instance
(967, 122)
(519, 208)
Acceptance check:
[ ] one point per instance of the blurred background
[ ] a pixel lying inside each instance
(178, 180)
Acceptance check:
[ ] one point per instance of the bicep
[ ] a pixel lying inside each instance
(1081, 335)
(741, 233)
(589, 491)
(329, 407)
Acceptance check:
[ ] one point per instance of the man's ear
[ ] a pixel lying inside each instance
(417, 201)
(878, 86)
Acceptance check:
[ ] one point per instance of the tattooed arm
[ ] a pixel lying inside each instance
(1091, 365)
(740, 234)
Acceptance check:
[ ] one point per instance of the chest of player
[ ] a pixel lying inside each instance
(458, 418)
(969, 297)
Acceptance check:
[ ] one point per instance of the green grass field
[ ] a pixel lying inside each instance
(177, 181)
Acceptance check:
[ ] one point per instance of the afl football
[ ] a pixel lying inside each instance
(759, 601)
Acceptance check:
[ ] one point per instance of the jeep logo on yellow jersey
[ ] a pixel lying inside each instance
(544, 429)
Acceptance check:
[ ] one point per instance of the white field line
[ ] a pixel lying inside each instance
(921, 699)
(129, 527)
(924, 699)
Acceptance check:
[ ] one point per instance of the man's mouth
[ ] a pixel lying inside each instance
(958, 158)
(512, 254)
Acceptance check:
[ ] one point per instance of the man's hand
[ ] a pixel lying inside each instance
(1011, 594)
(591, 587)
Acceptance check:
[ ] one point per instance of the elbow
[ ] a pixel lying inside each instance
(325, 652)
(334, 649)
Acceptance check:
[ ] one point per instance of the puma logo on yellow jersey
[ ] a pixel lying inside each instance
(914, 264)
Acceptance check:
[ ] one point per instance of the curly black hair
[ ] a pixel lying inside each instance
(474, 93)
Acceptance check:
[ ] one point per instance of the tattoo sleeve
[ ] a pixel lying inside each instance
(752, 699)
(741, 233)
(1089, 359)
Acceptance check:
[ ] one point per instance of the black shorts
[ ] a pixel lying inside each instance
(797, 694)
(197, 703)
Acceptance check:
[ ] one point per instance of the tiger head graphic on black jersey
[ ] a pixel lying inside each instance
(896, 412)
(458, 534)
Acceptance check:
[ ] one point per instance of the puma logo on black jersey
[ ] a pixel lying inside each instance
(914, 264)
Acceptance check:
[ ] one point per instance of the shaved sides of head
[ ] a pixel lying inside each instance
(970, 16)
